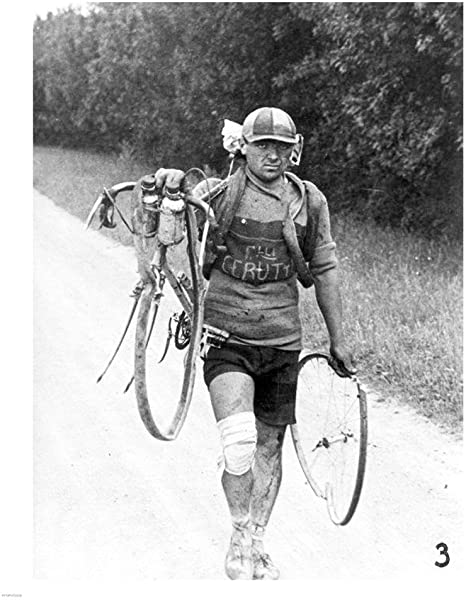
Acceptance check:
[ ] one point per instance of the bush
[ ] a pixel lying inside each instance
(376, 88)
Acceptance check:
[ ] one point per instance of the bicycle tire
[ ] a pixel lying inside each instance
(331, 426)
(193, 304)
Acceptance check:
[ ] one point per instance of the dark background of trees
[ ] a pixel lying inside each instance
(375, 88)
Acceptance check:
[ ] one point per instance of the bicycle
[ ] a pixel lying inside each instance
(333, 455)
(161, 220)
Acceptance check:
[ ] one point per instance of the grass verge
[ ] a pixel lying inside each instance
(402, 294)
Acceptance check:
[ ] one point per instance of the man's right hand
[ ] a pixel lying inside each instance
(171, 178)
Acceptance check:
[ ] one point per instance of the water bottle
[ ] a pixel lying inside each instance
(172, 217)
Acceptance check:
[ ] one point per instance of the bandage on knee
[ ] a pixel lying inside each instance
(239, 436)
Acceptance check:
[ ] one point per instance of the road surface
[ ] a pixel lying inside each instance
(112, 502)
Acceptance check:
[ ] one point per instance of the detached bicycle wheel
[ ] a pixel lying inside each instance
(330, 435)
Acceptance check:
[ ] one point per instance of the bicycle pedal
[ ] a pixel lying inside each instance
(212, 337)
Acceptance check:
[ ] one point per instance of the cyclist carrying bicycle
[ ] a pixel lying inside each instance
(274, 231)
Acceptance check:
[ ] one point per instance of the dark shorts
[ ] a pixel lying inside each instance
(275, 375)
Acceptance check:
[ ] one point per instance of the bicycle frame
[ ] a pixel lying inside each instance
(149, 291)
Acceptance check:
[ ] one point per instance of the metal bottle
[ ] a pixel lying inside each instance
(171, 217)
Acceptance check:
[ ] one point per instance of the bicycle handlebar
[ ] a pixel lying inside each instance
(201, 201)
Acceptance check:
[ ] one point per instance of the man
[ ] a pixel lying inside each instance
(275, 231)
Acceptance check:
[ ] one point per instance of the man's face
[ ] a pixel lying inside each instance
(268, 159)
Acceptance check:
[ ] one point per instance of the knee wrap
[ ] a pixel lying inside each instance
(238, 434)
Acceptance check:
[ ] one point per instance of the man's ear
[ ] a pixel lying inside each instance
(242, 146)
(295, 158)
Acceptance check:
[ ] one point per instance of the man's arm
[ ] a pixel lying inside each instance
(329, 301)
(319, 250)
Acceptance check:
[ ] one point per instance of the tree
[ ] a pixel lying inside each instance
(376, 89)
(386, 79)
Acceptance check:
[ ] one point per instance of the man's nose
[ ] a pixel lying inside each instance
(272, 152)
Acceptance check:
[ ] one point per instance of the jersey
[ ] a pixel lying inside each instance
(252, 291)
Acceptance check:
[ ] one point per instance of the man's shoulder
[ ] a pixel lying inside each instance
(315, 197)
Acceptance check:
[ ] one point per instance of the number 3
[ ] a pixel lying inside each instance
(443, 548)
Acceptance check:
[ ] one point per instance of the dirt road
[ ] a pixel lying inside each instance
(111, 502)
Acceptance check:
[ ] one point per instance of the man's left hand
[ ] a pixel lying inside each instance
(341, 360)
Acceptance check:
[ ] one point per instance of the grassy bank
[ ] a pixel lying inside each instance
(402, 294)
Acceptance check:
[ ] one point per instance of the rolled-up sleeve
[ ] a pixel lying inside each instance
(319, 246)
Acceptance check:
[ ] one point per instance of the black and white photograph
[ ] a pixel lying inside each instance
(247, 296)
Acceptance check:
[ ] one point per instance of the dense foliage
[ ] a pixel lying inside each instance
(376, 89)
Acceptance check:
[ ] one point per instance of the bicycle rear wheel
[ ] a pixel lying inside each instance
(330, 435)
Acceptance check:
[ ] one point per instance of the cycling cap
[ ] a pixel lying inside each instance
(269, 123)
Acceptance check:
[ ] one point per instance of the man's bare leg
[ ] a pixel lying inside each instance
(230, 394)
(267, 473)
